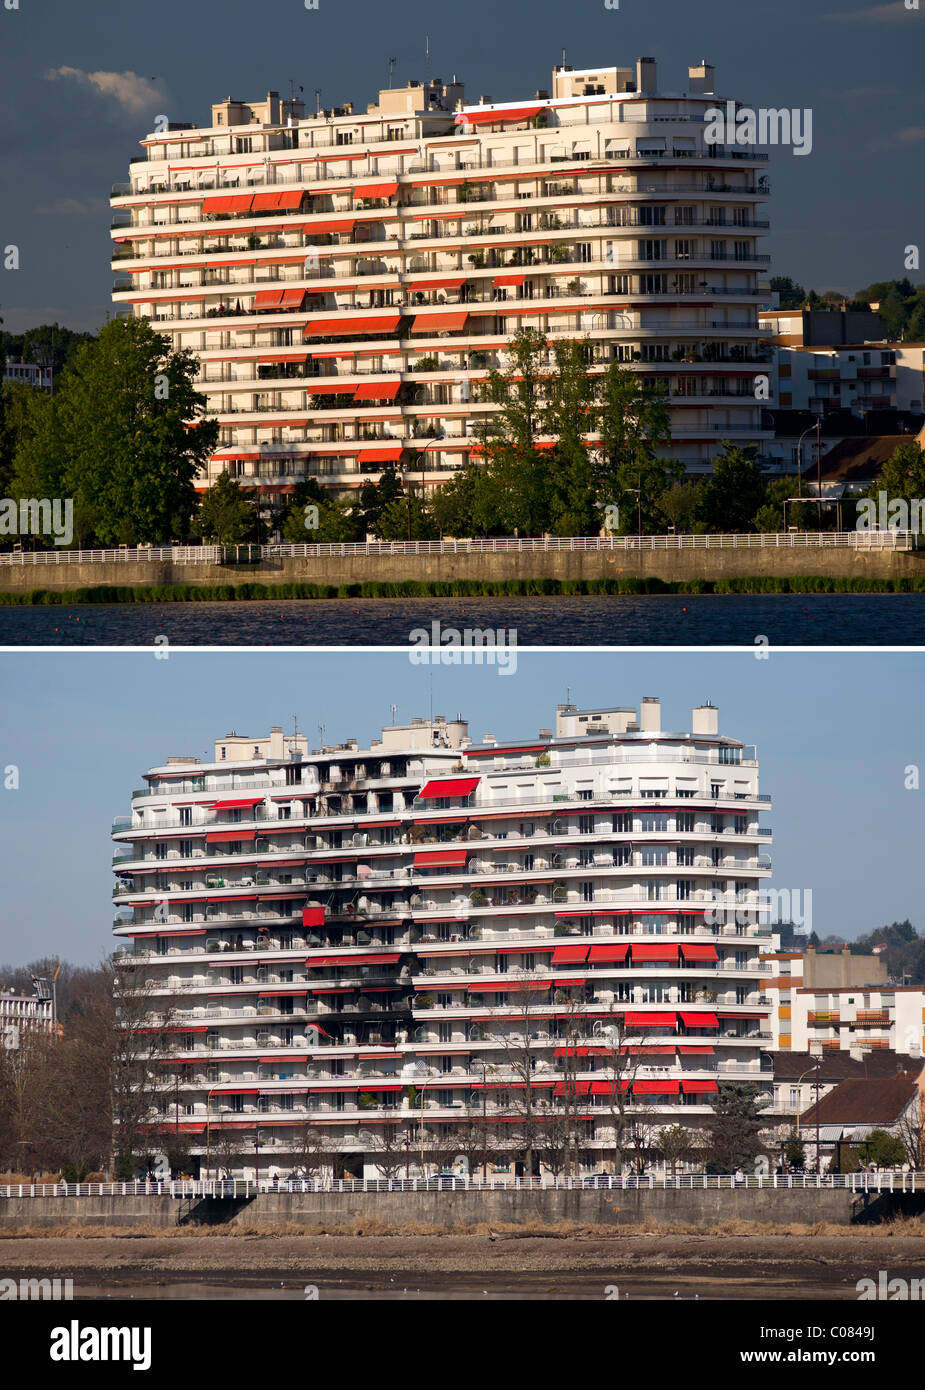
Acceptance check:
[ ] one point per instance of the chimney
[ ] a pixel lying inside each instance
(645, 75)
(650, 715)
(702, 78)
(705, 720)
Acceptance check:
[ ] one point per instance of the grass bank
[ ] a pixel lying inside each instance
(462, 588)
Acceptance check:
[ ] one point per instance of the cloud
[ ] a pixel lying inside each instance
(876, 14)
(73, 207)
(909, 135)
(134, 94)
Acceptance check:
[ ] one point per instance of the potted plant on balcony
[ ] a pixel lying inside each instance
(478, 898)
(477, 259)
(542, 760)
(424, 1001)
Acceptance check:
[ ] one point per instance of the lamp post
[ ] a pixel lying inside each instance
(808, 1072)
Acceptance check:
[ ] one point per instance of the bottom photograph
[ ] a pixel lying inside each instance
(469, 982)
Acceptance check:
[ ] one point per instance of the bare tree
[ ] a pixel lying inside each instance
(312, 1150)
(676, 1145)
(517, 1041)
(623, 1052)
(911, 1130)
(388, 1148)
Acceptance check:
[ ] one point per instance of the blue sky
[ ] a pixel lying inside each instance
(835, 733)
(81, 83)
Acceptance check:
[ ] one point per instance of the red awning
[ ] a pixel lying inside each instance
(453, 282)
(439, 323)
(509, 280)
(390, 455)
(699, 1021)
(655, 1088)
(515, 986)
(338, 224)
(377, 391)
(457, 786)
(376, 190)
(237, 203)
(699, 1088)
(695, 1051)
(570, 955)
(220, 837)
(332, 388)
(693, 950)
(488, 116)
(351, 327)
(237, 805)
(440, 859)
(655, 951)
(635, 1020)
(312, 916)
(608, 953)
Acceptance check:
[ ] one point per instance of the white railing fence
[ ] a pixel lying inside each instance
(254, 554)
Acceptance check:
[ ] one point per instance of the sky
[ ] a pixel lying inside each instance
(80, 84)
(836, 733)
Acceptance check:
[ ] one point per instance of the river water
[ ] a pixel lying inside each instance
(612, 620)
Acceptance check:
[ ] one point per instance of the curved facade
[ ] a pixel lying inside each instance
(369, 953)
(347, 279)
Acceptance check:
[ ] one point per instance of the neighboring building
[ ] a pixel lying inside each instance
(19, 1012)
(796, 1075)
(322, 931)
(347, 278)
(835, 1001)
(861, 377)
(855, 1107)
(849, 469)
(810, 328)
(29, 374)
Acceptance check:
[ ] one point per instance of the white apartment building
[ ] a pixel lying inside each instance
(859, 377)
(346, 279)
(21, 1012)
(373, 949)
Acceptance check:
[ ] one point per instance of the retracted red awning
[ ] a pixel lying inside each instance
(376, 190)
(332, 388)
(456, 786)
(570, 955)
(377, 391)
(608, 953)
(516, 986)
(435, 859)
(705, 1051)
(439, 323)
(699, 1021)
(220, 837)
(659, 1020)
(699, 1088)
(237, 805)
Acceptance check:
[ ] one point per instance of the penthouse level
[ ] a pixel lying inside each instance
(435, 948)
(347, 279)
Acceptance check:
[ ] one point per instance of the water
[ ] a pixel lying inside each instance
(651, 620)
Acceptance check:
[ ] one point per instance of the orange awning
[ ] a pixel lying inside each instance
(351, 327)
(452, 282)
(439, 323)
(509, 279)
(375, 190)
(340, 224)
(489, 117)
(378, 391)
(391, 455)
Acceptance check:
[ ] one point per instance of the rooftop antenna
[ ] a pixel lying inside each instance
(568, 694)
(295, 724)
(321, 734)
(563, 57)
(392, 62)
(427, 57)
(431, 698)
(317, 101)
(394, 709)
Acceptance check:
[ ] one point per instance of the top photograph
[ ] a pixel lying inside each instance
(340, 324)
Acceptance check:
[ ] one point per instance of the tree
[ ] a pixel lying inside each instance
(791, 295)
(406, 518)
(680, 505)
(733, 1132)
(734, 491)
(769, 516)
(226, 516)
(676, 1145)
(624, 1054)
(517, 474)
(124, 438)
(910, 1130)
(631, 418)
(337, 520)
(573, 504)
(902, 477)
(388, 1148)
(375, 497)
(517, 1041)
(311, 1150)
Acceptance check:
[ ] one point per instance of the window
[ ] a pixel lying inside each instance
(653, 821)
(653, 250)
(684, 821)
(160, 850)
(186, 850)
(186, 815)
(685, 889)
(622, 823)
(655, 855)
(622, 855)
(652, 216)
(587, 892)
(186, 912)
(684, 217)
(683, 249)
(654, 890)
(586, 825)
(585, 858)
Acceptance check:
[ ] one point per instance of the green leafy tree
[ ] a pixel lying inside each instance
(680, 505)
(572, 491)
(769, 516)
(791, 294)
(406, 515)
(734, 491)
(517, 472)
(632, 420)
(901, 477)
(226, 516)
(375, 497)
(337, 520)
(733, 1132)
(124, 437)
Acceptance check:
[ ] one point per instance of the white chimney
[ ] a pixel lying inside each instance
(705, 720)
(650, 715)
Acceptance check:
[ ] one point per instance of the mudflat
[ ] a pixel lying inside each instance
(471, 1266)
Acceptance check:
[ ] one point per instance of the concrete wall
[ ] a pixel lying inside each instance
(591, 1206)
(669, 565)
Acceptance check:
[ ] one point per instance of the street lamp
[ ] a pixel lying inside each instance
(807, 431)
(810, 1070)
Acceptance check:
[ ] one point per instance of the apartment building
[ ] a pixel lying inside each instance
(22, 1012)
(347, 278)
(860, 377)
(375, 950)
